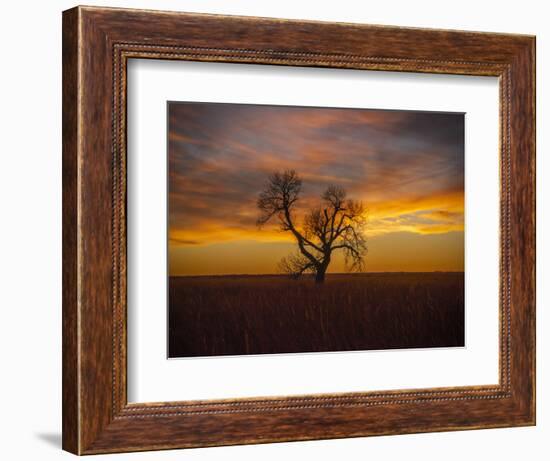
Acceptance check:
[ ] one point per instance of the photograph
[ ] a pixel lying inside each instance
(313, 229)
(278, 224)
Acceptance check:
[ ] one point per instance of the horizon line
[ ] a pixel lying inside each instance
(311, 275)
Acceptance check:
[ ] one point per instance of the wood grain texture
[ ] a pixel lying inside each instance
(70, 384)
(97, 43)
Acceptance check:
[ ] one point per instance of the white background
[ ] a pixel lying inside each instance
(153, 378)
(30, 243)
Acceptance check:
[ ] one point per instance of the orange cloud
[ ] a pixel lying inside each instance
(406, 167)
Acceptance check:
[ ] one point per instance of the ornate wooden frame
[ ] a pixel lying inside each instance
(97, 43)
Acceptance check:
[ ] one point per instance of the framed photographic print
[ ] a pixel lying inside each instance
(280, 230)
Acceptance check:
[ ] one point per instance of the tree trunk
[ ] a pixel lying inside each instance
(320, 274)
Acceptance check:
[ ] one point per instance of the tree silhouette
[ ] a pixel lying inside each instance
(337, 224)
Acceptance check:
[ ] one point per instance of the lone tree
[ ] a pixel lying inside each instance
(337, 224)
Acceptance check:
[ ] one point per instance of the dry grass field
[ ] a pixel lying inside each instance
(266, 314)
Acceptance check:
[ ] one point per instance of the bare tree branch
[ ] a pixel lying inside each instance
(295, 265)
(336, 225)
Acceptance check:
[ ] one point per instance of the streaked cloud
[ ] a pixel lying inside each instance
(407, 168)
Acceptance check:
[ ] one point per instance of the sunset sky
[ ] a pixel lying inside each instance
(406, 167)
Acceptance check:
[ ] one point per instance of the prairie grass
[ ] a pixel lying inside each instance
(236, 315)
